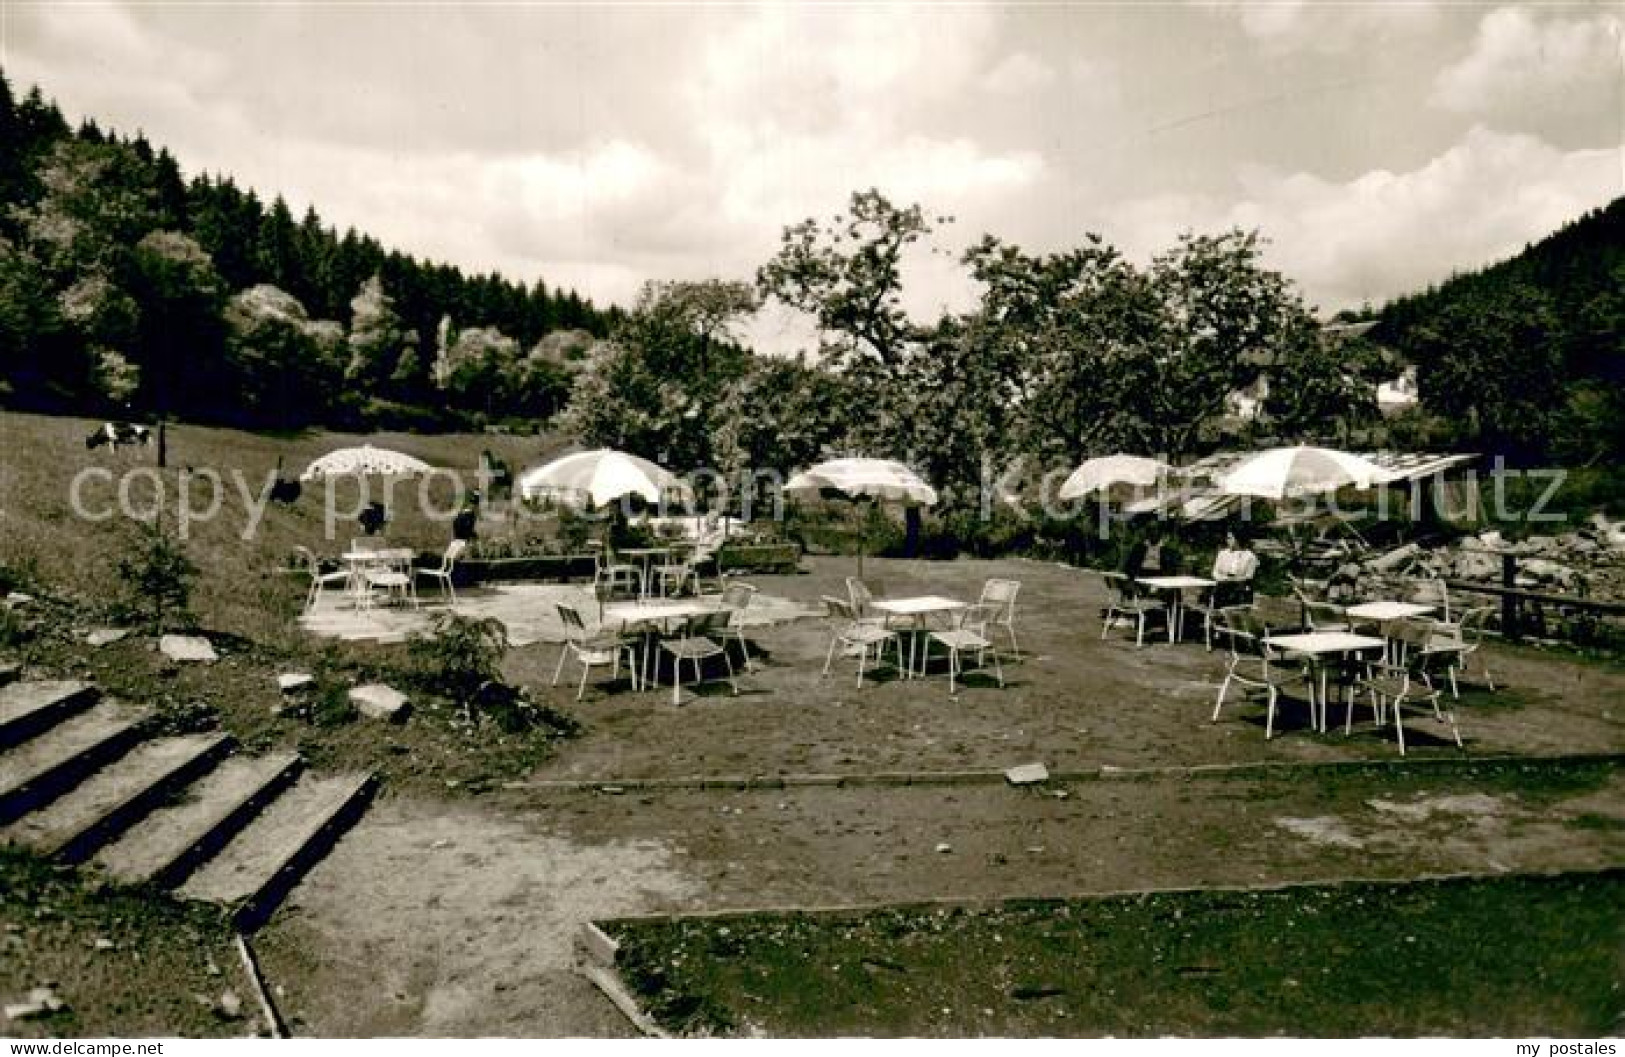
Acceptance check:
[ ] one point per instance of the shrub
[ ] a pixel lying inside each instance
(459, 655)
(155, 577)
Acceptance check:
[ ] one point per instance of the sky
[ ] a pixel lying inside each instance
(1378, 146)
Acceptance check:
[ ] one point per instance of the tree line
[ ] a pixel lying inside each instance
(123, 285)
(1526, 357)
(126, 288)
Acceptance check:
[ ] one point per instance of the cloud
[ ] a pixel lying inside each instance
(1525, 71)
(1292, 25)
(1018, 74)
(1383, 233)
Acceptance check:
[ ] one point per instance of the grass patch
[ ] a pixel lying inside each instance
(158, 969)
(1498, 956)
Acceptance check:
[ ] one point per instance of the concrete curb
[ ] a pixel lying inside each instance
(974, 903)
(598, 951)
(1104, 773)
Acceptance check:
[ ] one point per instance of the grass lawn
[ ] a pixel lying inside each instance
(1523, 956)
(122, 964)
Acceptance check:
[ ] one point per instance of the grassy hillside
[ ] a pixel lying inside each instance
(239, 589)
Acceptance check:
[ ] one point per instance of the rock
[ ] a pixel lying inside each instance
(377, 701)
(1491, 540)
(229, 1006)
(1540, 545)
(187, 648)
(1395, 559)
(944, 848)
(1477, 565)
(18, 598)
(41, 1001)
(1548, 571)
(106, 636)
(292, 682)
(105, 944)
(1027, 774)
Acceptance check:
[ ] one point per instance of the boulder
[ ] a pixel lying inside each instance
(41, 1001)
(187, 648)
(1395, 559)
(377, 701)
(1027, 774)
(293, 682)
(106, 636)
(1545, 570)
(1477, 565)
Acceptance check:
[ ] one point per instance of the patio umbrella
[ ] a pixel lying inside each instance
(881, 480)
(1108, 470)
(1302, 470)
(364, 461)
(600, 476)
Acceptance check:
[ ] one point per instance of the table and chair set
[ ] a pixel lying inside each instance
(1385, 654)
(869, 621)
(642, 630)
(371, 572)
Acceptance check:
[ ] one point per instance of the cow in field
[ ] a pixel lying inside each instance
(112, 434)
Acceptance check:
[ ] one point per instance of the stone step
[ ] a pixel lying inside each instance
(28, 708)
(108, 802)
(168, 844)
(262, 863)
(45, 766)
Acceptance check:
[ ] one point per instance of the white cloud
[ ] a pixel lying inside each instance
(1517, 60)
(1018, 74)
(1384, 233)
(1290, 25)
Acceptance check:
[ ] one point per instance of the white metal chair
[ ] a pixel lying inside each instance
(697, 644)
(593, 650)
(448, 561)
(614, 574)
(851, 634)
(1002, 594)
(1398, 685)
(319, 580)
(969, 635)
(1254, 663)
(735, 600)
(392, 575)
(1128, 601)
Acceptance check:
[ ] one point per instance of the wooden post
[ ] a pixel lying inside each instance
(1509, 601)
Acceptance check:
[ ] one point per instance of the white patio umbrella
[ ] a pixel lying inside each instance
(365, 461)
(882, 480)
(1107, 470)
(1302, 470)
(600, 476)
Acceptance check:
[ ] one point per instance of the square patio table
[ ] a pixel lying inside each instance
(651, 615)
(1383, 612)
(917, 609)
(1175, 586)
(1317, 645)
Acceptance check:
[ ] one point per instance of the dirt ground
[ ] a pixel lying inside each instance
(439, 916)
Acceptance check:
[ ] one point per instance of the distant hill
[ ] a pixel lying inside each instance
(1526, 356)
(127, 288)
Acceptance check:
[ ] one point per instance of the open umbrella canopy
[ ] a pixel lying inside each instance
(600, 476)
(1109, 470)
(883, 479)
(1298, 471)
(365, 461)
